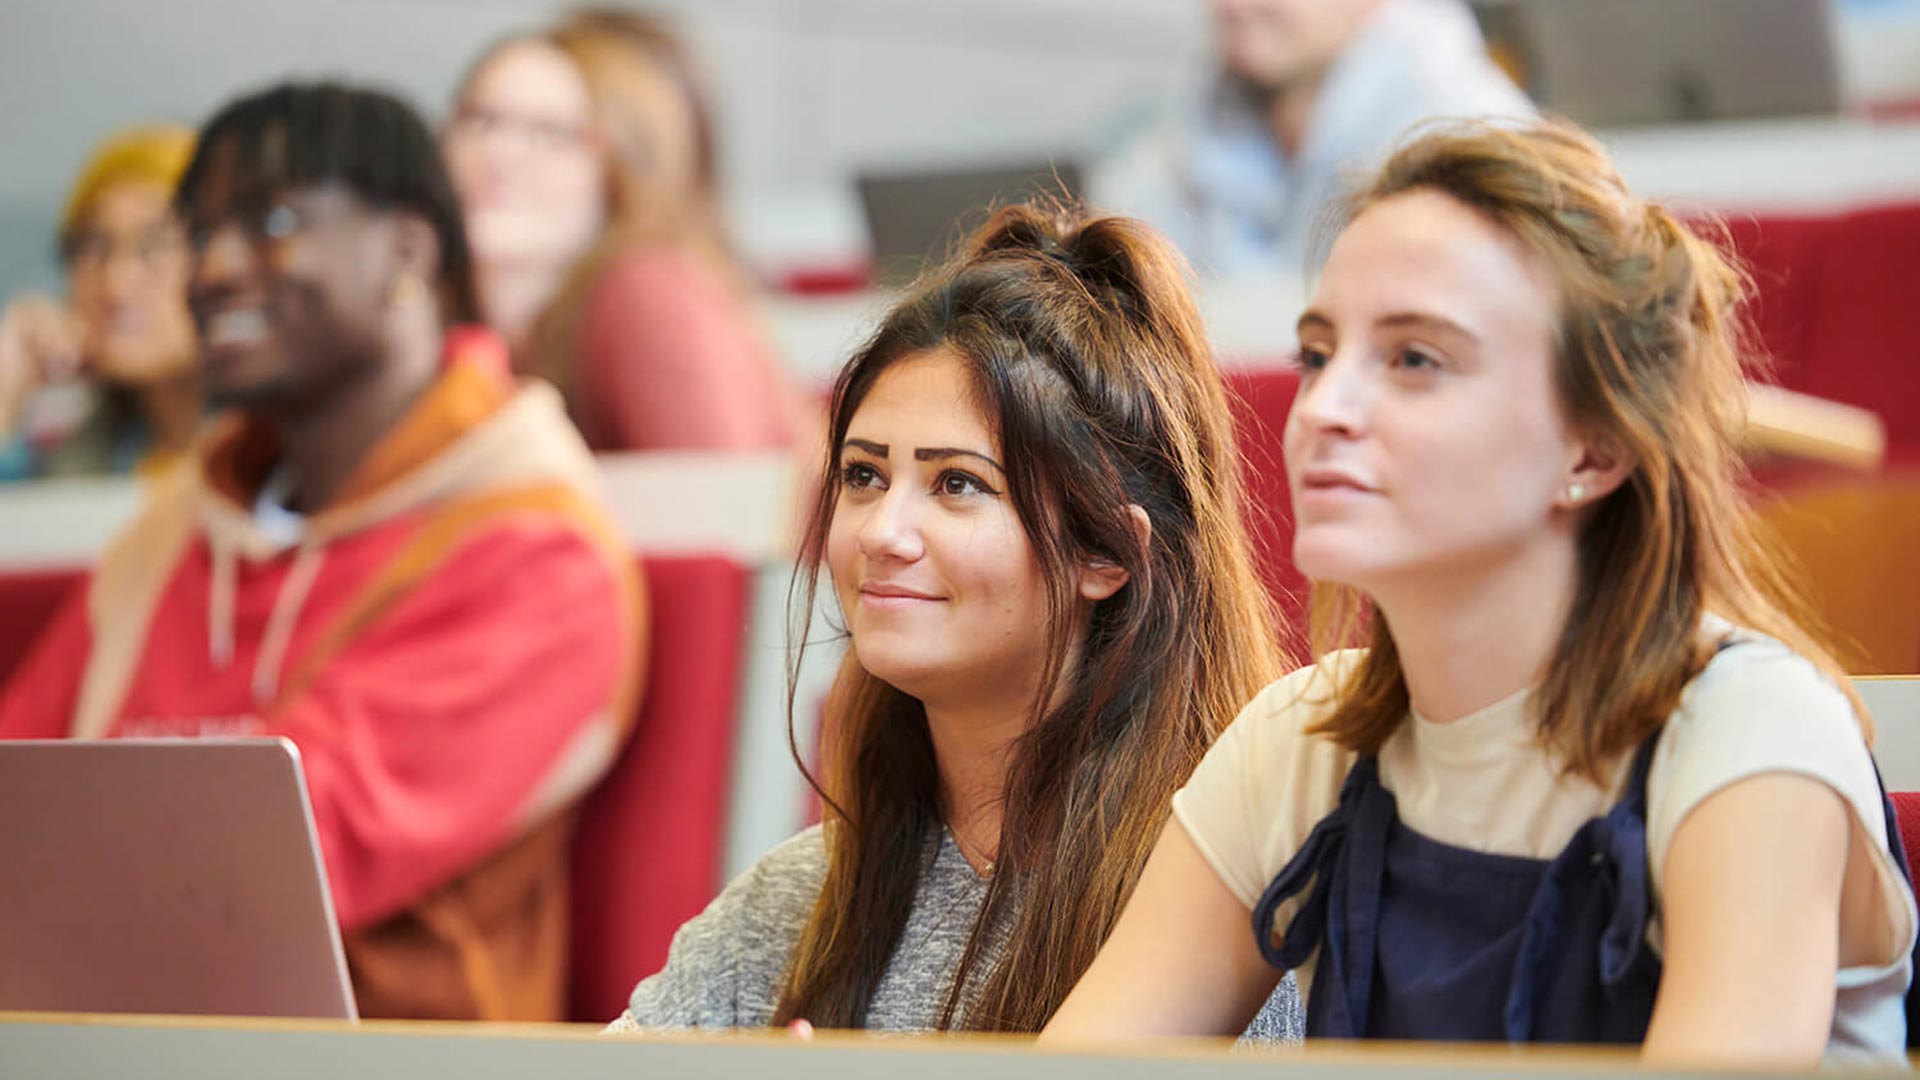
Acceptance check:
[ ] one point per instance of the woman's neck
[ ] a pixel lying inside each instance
(512, 295)
(1470, 638)
(1290, 113)
(972, 746)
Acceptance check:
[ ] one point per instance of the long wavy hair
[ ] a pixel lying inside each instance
(1649, 353)
(654, 122)
(1090, 364)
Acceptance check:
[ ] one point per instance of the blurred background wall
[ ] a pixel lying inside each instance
(809, 91)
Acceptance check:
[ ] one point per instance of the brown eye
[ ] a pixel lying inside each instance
(858, 475)
(957, 483)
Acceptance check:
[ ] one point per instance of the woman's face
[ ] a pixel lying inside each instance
(525, 159)
(127, 281)
(942, 592)
(1428, 438)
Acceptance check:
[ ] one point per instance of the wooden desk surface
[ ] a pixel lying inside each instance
(50, 1046)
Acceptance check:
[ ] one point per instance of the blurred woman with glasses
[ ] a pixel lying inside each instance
(105, 381)
(585, 159)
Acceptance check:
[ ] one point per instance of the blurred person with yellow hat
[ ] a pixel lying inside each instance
(106, 380)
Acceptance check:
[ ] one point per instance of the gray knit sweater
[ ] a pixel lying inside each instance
(727, 965)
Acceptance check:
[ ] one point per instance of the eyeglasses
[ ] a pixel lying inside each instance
(540, 134)
(149, 247)
(272, 222)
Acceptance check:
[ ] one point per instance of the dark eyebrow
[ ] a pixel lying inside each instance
(878, 450)
(937, 453)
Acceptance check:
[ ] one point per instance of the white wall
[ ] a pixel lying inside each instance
(808, 89)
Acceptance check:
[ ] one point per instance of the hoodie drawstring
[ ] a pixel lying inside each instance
(281, 622)
(220, 603)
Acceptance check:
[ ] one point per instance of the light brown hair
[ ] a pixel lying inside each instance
(1649, 354)
(1090, 363)
(654, 125)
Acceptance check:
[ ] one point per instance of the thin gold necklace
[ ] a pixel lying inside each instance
(982, 867)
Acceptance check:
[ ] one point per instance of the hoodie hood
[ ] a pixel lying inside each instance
(474, 432)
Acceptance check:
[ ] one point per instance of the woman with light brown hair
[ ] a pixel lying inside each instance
(1030, 514)
(585, 159)
(1595, 776)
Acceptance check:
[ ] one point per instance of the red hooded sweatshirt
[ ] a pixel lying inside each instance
(452, 643)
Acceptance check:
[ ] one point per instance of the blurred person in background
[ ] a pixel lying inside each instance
(585, 159)
(1308, 92)
(387, 552)
(106, 381)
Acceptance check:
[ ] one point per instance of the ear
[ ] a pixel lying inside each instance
(1595, 470)
(416, 248)
(1101, 578)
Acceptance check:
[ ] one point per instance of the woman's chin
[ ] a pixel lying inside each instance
(507, 237)
(1333, 567)
(141, 364)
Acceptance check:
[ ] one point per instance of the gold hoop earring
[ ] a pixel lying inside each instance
(406, 289)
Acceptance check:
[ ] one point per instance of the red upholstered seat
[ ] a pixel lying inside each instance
(1906, 804)
(1262, 398)
(28, 601)
(648, 855)
(1834, 308)
(1866, 333)
(1783, 257)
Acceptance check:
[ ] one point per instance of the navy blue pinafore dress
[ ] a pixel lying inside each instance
(1423, 940)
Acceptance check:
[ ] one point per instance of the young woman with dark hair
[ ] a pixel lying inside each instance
(1030, 514)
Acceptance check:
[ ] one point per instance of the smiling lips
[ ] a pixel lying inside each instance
(879, 595)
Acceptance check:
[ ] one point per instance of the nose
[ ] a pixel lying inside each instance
(891, 530)
(1333, 399)
(123, 273)
(225, 261)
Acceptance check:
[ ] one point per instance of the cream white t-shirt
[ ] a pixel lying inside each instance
(1483, 782)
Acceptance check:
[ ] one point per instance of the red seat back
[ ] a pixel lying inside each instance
(1261, 399)
(1906, 807)
(1834, 308)
(1866, 334)
(648, 856)
(1782, 256)
(29, 599)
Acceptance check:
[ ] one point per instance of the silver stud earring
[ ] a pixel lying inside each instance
(1576, 491)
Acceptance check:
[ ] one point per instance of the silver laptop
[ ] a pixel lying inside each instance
(916, 217)
(1615, 62)
(164, 876)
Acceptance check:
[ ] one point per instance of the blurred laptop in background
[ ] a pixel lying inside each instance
(1609, 63)
(914, 217)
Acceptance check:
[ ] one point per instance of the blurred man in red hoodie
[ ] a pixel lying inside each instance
(387, 552)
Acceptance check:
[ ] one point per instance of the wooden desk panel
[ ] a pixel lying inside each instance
(53, 1047)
